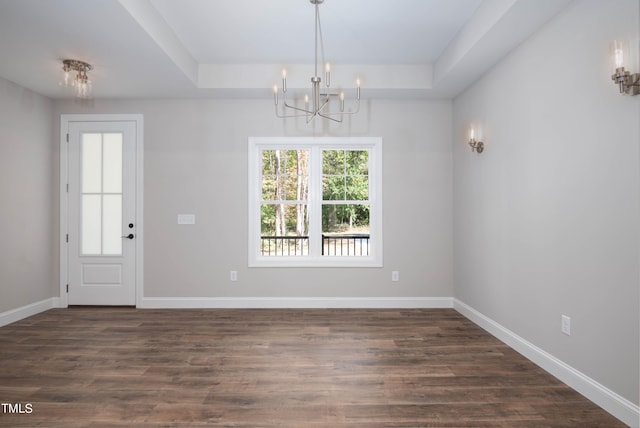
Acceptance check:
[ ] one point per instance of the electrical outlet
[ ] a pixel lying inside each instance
(566, 325)
(395, 276)
(233, 275)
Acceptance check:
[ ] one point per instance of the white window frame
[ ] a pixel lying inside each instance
(315, 146)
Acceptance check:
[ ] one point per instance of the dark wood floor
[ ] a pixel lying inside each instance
(261, 368)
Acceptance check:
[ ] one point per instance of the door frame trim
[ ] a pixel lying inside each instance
(65, 119)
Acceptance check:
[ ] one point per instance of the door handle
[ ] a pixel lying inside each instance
(129, 236)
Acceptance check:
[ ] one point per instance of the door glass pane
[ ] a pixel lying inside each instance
(91, 163)
(91, 229)
(101, 172)
(112, 225)
(112, 163)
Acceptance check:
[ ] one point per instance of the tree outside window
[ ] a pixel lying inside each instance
(318, 199)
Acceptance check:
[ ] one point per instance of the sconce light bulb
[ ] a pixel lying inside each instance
(472, 134)
(619, 55)
(617, 48)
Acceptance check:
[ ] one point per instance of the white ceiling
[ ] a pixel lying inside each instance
(236, 48)
(355, 31)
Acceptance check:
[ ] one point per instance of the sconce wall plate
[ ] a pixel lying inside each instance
(476, 146)
(629, 83)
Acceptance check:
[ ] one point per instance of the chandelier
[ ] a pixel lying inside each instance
(80, 84)
(321, 101)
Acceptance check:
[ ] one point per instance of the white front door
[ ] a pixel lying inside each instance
(102, 225)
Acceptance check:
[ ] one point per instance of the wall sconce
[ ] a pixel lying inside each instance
(629, 83)
(476, 146)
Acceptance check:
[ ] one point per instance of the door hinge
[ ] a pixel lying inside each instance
(67, 187)
(67, 137)
(67, 238)
(67, 288)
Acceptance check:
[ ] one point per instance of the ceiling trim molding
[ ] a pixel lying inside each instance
(496, 28)
(261, 76)
(157, 28)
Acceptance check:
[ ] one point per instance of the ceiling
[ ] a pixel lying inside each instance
(237, 48)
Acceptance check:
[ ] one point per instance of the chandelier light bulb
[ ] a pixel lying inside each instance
(327, 74)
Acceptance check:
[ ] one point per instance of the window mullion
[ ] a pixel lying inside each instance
(315, 202)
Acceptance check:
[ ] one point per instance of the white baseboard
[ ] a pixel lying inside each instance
(618, 406)
(23, 312)
(295, 302)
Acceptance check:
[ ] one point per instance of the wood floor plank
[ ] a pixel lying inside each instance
(112, 367)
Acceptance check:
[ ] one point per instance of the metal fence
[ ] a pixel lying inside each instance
(332, 245)
(345, 245)
(284, 245)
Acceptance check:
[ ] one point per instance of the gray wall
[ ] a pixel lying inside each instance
(27, 226)
(546, 219)
(196, 163)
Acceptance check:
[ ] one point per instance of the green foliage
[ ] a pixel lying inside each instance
(267, 220)
(283, 172)
(340, 218)
(285, 177)
(345, 178)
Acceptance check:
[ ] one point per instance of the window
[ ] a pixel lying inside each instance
(315, 202)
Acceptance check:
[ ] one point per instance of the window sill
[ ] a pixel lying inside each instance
(336, 262)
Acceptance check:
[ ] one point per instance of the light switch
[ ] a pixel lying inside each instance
(186, 219)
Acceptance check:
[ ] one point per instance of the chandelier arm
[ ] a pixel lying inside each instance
(329, 117)
(324, 104)
(287, 105)
(283, 116)
(311, 117)
(343, 112)
(297, 108)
